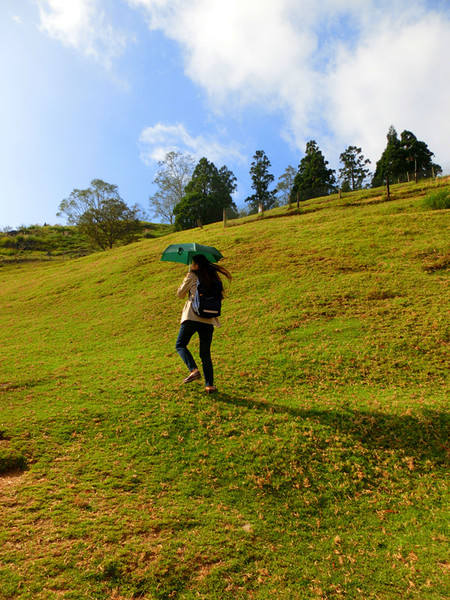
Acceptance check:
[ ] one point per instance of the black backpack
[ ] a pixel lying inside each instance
(208, 304)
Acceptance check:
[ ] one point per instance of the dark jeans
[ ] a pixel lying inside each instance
(205, 333)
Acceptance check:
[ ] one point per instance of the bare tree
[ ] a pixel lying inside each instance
(175, 172)
(285, 183)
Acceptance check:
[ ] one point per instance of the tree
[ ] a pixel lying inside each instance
(416, 157)
(285, 183)
(175, 172)
(101, 214)
(403, 156)
(261, 180)
(228, 180)
(206, 196)
(313, 178)
(354, 172)
(389, 165)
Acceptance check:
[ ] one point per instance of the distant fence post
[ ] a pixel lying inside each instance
(224, 217)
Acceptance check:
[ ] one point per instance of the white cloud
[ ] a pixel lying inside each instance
(397, 75)
(343, 66)
(82, 25)
(159, 139)
(340, 71)
(245, 50)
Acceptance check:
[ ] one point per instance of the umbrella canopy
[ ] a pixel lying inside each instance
(183, 253)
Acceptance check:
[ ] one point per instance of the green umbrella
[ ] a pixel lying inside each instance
(183, 253)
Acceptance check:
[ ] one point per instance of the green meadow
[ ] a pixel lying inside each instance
(319, 469)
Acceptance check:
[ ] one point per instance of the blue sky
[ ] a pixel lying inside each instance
(103, 88)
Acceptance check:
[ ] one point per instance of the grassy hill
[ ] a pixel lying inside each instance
(317, 472)
(53, 242)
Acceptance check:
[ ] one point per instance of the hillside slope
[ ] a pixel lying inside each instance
(318, 469)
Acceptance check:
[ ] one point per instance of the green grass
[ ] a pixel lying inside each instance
(438, 200)
(57, 242)
(317, 471)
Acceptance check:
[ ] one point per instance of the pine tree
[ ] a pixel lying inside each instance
(354, 172)
(389, 166)
(206, 196)
(313, 178)
(402, 157)
(416, 157)
(261, 180)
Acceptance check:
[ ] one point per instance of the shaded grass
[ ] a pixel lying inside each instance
(317, 471)
(437, 200)
(57, 242)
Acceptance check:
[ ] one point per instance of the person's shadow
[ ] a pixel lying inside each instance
(424, 438)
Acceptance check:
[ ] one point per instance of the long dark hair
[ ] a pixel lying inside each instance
(208, 272)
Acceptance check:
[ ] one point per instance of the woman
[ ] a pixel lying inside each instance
(208, 274)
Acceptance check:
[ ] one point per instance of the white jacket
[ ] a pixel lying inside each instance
(189, 287)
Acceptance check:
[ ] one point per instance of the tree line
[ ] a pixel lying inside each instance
(190, 195)
(209, 190)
